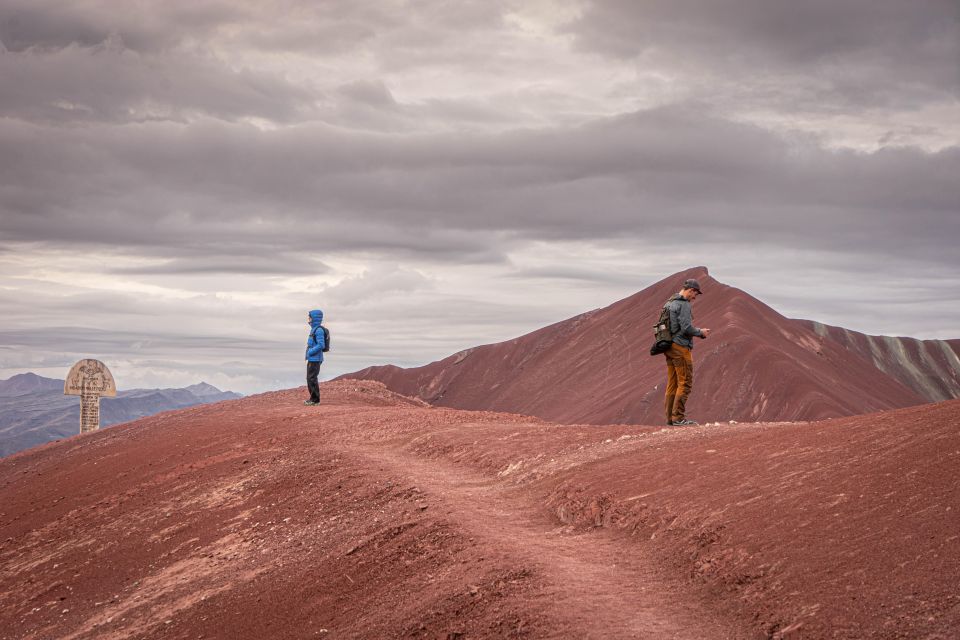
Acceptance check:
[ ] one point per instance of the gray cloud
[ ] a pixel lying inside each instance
(585, 277)
(106, 341)
(861, 52)
(355, 289)
(180, 180)
(190, 186)
(281, 263)
(394, 29)
(397, 32)
(110, 83)
(129, 355)
(146, 27)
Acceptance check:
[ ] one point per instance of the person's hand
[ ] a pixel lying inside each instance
(705, 332)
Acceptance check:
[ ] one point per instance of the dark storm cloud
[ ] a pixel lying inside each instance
(109, 83)
(865, 52)
(113, 341)
(393, 29)
(281, 263)
(584, 276)
(397, 34)
(146, 27)
(183, 60)
(317, 188)
(77, 303)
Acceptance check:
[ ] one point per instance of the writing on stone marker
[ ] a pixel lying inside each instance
(90, 379)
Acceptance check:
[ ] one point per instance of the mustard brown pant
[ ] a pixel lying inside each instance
(679, 381)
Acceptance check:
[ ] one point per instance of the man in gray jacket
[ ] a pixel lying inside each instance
(680, 354)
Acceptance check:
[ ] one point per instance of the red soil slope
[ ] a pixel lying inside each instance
(929, 367)
(596, 368)
(375, 516)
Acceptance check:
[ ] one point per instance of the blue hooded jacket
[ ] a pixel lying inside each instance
(315, 342)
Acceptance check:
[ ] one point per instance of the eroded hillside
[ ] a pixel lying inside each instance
(375, 515)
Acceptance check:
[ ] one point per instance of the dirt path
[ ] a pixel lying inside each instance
(600, 586)
(374, 516)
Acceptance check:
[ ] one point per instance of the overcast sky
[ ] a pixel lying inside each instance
(180, 181)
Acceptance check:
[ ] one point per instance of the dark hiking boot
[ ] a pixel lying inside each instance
(685, 422)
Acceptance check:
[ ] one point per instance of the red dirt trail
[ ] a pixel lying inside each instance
(377, 516)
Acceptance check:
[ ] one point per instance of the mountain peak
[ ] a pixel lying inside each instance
(24, 383)
(703, 271)
(203, 389)
(595, 367)
(676, 280)
(24, 377)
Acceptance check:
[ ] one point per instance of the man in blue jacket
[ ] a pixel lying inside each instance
(315, 347)
(680, 354)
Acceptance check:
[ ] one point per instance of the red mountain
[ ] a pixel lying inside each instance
(929, 367)
(758, 365)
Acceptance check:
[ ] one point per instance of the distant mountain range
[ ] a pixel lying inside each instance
(33, 409)
(756, 366)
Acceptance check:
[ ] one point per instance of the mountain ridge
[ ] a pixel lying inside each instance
(29, 382)
(594, 367)
(929, 367)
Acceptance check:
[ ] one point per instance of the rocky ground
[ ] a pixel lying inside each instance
(376, 516)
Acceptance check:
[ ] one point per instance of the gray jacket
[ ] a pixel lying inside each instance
(681, 321)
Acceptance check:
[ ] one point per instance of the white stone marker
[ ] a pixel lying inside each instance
(89, 379)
